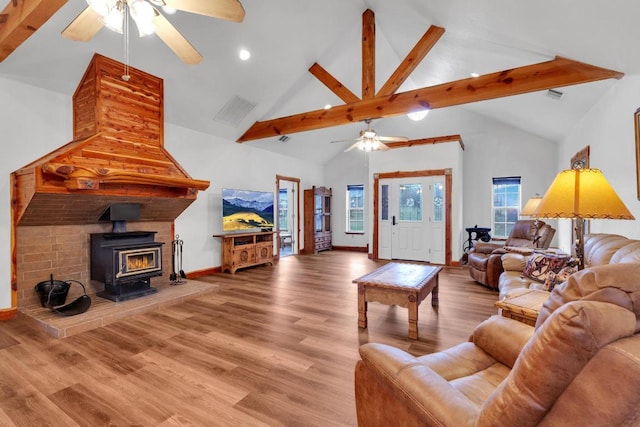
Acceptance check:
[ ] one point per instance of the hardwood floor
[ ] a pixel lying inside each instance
(275, 346)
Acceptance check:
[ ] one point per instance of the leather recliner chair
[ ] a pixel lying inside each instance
(485, 259)
(579, 366)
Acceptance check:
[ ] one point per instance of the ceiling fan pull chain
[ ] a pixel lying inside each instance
(125, 30)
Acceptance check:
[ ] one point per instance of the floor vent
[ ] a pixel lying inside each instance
(234, 111)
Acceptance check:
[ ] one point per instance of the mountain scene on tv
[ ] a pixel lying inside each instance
(245, 210)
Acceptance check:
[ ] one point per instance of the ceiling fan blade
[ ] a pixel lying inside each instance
(229, 10)
(176, 41)
(393, 138)
(347, 140)
(356, 145)
(84, 26)
(381, 146)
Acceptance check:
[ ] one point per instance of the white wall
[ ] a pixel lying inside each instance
(225, 165)
(608, 129)
(34, 122)
(349, 168)
(499, 150)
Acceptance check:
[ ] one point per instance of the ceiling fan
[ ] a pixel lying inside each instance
(369, 140)
(113, 15)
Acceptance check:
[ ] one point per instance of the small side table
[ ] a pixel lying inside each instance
(476, 233)
(524, 307)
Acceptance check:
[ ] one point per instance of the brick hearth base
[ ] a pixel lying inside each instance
(103, 312)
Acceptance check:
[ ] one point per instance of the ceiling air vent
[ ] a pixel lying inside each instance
(554, 94)
(284, 138)
(234, 111)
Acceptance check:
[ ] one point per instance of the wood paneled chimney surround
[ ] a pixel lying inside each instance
(117, 155)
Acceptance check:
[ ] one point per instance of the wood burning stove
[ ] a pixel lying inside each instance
(125, 263)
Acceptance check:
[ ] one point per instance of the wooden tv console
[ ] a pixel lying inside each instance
(241, 250)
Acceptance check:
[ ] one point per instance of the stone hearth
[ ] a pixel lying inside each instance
(103, 312)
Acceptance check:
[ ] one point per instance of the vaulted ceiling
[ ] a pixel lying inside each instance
(287, 37)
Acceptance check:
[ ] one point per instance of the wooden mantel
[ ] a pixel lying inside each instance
(118, 152)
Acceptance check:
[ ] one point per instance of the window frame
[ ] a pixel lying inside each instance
(508, 225)
(348, 223)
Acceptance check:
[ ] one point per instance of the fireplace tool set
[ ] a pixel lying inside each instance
(176, 262)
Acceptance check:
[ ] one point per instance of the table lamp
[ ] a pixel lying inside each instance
(529, 210)
(581, 194)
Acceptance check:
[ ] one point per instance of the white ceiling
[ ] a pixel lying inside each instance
(286, 37)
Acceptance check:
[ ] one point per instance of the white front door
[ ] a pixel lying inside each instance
(411, 219)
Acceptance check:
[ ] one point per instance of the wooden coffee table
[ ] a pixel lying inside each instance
(400, 284)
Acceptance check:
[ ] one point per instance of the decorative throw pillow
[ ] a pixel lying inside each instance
(539, 265)
(554, 279)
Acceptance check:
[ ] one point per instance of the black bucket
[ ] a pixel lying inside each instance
(52, 292)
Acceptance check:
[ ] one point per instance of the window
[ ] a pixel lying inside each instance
(283, 210)
(355, 208)
(505, 205)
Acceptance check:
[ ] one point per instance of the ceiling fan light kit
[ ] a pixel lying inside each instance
(143, 14)
(369, 140)
(113, 14)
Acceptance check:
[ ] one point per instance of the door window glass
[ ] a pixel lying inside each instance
(410, 200)
(283, 209)
(384, 202)
(438, 202)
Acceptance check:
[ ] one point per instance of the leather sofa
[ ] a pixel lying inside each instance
(485, 263)
(579, 365)
(599, 249)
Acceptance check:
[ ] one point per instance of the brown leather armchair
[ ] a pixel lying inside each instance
(485, 264)
(579, 366)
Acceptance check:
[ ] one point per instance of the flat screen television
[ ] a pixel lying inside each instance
(246, 210)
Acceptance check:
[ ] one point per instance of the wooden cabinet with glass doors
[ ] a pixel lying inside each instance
(317, 219)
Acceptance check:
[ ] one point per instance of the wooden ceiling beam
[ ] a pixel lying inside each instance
(333, 84)
(368, 54)
(23, 18)
(412, 60)
(426, 141)
(555, 73)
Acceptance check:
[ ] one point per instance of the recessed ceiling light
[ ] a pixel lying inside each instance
(475, 75)
(244, 54)
(327, 107)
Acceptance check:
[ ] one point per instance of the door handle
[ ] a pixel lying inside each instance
(393, 220)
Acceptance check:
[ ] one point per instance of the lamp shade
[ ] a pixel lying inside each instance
(529, 208)
(584, 194)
